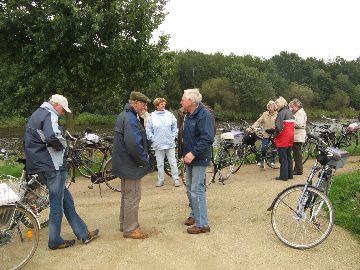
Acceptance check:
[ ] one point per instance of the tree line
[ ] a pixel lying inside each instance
(97, 52)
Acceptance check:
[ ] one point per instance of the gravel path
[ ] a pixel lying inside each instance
(241, 235)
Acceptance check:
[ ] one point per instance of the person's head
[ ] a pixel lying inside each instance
(191, 99)
(271, 106)
(280, 103)
(160, 104)
(295, 105)
(59, 103)
(139, 102)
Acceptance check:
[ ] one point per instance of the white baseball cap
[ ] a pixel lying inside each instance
(61, 100)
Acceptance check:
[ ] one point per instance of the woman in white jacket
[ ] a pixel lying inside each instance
(161, 130)
(299, 134)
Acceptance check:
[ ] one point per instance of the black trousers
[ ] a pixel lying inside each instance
(297, 154)
(286, 163)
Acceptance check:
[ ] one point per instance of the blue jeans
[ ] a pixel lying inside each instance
(61, 202)
(170, 155)
(195, 190)
(286, 163)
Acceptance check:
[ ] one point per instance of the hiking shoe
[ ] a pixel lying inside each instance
(66, 244)
(91, 236)
(198, 230)
(137, 234)
(190, 221)
(177, 183)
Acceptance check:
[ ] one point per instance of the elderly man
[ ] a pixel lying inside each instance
(45, 148)
(131, 162)
(198, 137)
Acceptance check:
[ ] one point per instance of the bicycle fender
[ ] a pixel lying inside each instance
(283, 191)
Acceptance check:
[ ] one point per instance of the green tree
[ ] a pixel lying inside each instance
(94, 52)
(337, 101)
(304, 93)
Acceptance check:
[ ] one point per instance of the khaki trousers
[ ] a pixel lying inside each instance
(129, 208)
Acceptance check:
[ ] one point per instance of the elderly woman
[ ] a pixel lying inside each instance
(161, 130)
(299, 134)
(266, 121)
(284, 138)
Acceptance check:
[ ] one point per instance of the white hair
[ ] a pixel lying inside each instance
(271, 103)
(193, 95)
(281, 103)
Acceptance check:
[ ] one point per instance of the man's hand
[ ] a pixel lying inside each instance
(188, 158)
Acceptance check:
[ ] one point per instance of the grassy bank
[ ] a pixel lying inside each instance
(221, 114)
(345, 197)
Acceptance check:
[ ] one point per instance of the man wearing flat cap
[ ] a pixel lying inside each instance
(45, 148)
(130, 162)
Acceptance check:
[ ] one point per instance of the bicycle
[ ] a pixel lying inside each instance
(19, 225)
(224, 159)
(248, 148)
(95, 165)
(302, 216)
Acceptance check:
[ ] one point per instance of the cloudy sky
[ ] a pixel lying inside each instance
(311, 28)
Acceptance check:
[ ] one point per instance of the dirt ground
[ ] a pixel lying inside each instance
(241, 234)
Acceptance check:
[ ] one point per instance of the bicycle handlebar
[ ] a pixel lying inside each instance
(320, 142)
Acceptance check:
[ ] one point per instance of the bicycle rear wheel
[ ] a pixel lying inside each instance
(239, 159)
(91, 158)
(226, 162)
(302, 222)
(272, 156)
(19, 236)
(308, 150)
(110, 180)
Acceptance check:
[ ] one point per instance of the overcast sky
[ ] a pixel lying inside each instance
(311, 28)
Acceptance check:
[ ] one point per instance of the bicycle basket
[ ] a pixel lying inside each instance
(250, 138)
(7, 195)
(353, 128)
(338, 157)
(235, 137)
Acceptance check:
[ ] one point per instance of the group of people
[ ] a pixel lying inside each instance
(289, 123)
(45, 151)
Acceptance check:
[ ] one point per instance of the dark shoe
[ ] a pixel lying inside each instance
(297, 173)
(91, 236)
(66, 244)
(278, 178)
(137, 234)
(197, 230)
(190, 221)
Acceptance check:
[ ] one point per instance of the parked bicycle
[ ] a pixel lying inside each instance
(93, 163)
(24, 209)
(302, 216)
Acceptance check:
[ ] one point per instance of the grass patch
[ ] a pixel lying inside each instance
(10, 167)
(345, 197)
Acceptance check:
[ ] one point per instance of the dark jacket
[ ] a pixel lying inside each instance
(284, 128)
(44, 142)
(198, 136)
(130, 149)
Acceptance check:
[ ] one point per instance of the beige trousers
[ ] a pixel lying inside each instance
(129, 208)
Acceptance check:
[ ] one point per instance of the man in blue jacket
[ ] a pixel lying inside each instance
(45, 148)
(131, 162)
(198, 137)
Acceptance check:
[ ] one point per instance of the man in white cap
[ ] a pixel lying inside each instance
(45, 148)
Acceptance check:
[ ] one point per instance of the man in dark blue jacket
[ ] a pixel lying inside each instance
(131, 162)
(198, 137)
(45, 148)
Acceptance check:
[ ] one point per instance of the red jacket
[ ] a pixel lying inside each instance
(284, 128)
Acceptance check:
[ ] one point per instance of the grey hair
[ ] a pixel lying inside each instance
(271, 103)
(296, 102)
(193, 95)
(281, 103)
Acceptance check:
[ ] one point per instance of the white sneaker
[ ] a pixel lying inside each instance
(177, 183)
(159, 184)
(259, 164)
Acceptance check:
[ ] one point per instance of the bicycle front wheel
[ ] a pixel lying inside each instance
(19, 236)
(272, 156)
(91, 159)
(111, 180)
(300, 219)
(239, 158)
